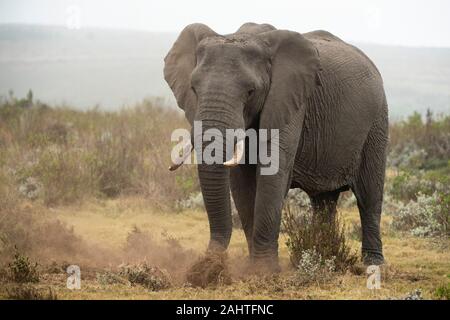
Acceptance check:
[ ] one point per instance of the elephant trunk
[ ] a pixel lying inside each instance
(214, 184)
(215, 177)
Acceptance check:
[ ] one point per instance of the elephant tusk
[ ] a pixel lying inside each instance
(237, 156)
(187, 148)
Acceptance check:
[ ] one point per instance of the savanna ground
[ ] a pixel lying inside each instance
(92, 189)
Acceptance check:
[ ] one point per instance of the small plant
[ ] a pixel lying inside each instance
(306, 231)
(109, 277)
(22, 270)
(443, 292)
(150, 277)
(26, 292)
(313, 268)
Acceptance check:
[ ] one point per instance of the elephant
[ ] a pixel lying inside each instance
(327, 100)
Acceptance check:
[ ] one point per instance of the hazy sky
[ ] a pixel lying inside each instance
(398, 22)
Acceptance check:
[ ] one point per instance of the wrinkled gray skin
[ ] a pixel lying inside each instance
(326, 98)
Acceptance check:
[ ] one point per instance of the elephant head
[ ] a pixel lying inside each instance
(258, 77)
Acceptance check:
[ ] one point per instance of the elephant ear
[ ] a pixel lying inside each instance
(179, 63)
(294, 75)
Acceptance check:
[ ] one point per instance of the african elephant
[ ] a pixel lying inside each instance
(326, 98)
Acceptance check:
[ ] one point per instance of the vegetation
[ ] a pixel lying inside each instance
(27, 292)
(91, 188)
(22, 270)
(63, 156)
(443, 292)
(320, 242)
(420, 157)
(152, 278)
(312, 267)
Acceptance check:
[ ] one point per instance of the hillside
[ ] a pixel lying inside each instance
(112, 68)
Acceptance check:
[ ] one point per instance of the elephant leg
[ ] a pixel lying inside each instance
(270, 194)
(271, 189)
(243, 189)
(324, 205)
(368, 190)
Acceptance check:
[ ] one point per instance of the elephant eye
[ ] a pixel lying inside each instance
(251, 92)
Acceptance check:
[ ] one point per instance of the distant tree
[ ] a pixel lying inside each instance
(30, 96)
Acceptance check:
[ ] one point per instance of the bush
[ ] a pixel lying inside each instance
(391, 206)
(299, 199)
(61, 156)
(407, 156)
(150, 277)
(305, 231)
(418, 144)
(22, 270)
(109, 277)
(426, 217)
(407, 185)
(312, 267)
(443, 292)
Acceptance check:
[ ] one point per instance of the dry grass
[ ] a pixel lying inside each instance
(27, 292)
(92, 189)
(209, 270)
(412, 262)
(60, 156)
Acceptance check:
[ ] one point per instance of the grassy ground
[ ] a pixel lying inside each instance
(412, 263)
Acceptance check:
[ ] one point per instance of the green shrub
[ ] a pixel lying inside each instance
(408, 184)
(22, 270)
(306, 231)
(426, 217)
(443, 292)
(417, 144)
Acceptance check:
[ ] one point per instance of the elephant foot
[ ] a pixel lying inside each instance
(210, 270)
(372, 258)
(265, 266)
